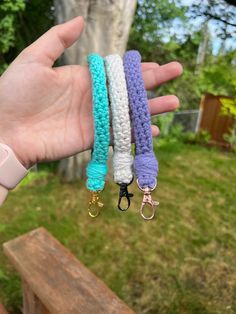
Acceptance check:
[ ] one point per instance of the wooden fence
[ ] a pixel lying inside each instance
(212, 120)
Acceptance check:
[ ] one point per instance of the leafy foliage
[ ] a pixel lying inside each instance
(21, 22)
(152, 23)
(229, 109)
(220, 12)
(202, 137)
(164, 122)
(230, 138)
(8, 13)
(218, 75)
(229, 106)
(163, 31)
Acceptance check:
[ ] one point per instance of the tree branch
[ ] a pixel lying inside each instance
(231, 2)
(215, 17)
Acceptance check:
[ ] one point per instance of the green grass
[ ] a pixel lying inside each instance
(182, 262)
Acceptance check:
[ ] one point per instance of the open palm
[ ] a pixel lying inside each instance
(46, 112)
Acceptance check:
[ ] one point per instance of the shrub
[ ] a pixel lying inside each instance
(230, 138)
(202, 137)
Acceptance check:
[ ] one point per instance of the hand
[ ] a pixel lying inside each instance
(46, 111)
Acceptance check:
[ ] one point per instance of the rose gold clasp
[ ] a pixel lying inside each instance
(148, 201)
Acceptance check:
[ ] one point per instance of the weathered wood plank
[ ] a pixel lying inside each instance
(2, 309)
(62, 283)
(31, 303)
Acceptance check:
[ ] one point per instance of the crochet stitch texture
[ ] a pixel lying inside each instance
(145, 162)
(122, 157)
(97, 167)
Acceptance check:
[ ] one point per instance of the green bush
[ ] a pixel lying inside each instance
(229, 109)
(202, 137)
(164, 122)
(176, 132)
(230, 138)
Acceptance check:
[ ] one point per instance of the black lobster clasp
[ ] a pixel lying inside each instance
(124, 193)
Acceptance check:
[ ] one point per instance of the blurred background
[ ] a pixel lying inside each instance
(184, 261)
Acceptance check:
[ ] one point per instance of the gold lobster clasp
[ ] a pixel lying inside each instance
(94, 204)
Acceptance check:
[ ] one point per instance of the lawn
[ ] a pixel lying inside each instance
(182, 262)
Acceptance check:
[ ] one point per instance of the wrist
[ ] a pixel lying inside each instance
(23, 161)
(11, 169)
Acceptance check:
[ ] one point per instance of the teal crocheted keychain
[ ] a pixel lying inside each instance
(97, 167)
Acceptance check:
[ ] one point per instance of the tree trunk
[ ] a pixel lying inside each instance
(107, 26)
(203, 46)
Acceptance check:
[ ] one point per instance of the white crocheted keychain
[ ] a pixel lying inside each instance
(122, 156)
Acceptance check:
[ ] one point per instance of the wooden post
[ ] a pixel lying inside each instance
(2, 309)
(31, 303)
(55, 282)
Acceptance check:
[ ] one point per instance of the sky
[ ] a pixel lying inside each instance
(229, 44)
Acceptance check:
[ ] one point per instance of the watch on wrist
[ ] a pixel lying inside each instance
(11, 171)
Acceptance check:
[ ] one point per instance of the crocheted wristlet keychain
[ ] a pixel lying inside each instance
(122, 157)
(145, 162)
(97, 167)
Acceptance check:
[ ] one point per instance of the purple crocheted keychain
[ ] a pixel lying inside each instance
(145, 162)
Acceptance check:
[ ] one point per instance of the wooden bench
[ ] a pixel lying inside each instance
(55, 282)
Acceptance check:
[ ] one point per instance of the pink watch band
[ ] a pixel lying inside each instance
(3, 194)
(11, 171)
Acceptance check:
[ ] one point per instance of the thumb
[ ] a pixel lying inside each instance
(48, 48)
